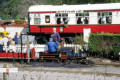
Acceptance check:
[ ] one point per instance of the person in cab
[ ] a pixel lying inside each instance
(52, 47)
(56, 37)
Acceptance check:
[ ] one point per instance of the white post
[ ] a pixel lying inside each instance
(86, 34)
(28, 47)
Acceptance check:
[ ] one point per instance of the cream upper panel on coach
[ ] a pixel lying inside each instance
(71, 14)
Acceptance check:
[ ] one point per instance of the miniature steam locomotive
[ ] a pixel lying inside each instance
(64, 55)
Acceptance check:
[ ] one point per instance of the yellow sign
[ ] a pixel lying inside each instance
(3, 34)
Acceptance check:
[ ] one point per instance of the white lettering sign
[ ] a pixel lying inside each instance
(72, 11)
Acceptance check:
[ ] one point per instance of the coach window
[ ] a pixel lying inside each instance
(37, 19)
(86, 18)
(61, 18)
(65, 18)
(105, 17)
(101, 18)
(58, 18)
(79, 18)
(47, 18)
(82, 18)
(108, 16)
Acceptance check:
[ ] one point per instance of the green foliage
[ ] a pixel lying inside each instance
(13, 8)
(65, 26)
(104, 42)
(79, 40)
(8, 8)
(54, 2)
(19, 21)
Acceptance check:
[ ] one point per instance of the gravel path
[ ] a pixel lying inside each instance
(26, 75)
(58, 71)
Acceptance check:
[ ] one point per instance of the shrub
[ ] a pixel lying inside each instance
(104, 43)
(19, 21)
(79, 40)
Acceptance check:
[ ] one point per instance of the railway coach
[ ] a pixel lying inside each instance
(71, 19)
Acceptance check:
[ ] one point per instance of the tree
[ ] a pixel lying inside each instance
(14, 8)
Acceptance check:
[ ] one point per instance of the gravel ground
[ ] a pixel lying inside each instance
(26, 75)
(59, 71)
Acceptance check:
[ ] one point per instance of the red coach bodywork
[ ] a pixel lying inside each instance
(108, 28)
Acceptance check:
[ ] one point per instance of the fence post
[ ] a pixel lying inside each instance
(5, 73)
(94, 72)
(119, 56)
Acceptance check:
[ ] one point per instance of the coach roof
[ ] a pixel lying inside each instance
(105, 6)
